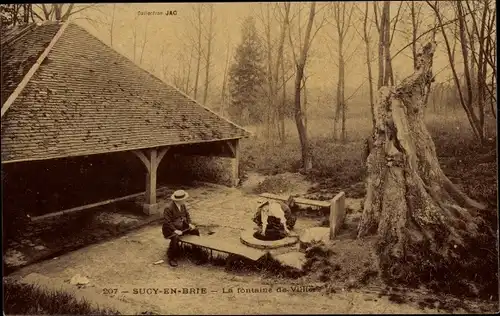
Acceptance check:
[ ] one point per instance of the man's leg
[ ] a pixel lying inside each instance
(173, 251)
(197, 252)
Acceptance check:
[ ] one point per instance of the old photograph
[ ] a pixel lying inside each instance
(330, 157)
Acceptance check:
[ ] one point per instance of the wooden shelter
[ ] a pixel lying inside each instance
(67, 94)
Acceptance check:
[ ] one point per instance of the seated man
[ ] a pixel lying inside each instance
(177, 222)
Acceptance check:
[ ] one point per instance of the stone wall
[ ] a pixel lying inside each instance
(185, 168)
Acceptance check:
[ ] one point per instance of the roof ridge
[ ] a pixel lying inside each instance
(20, 87)
(165, 83)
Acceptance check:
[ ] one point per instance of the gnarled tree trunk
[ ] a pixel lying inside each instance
(420, 217)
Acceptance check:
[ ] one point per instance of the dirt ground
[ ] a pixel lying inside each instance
(120, 269)
(126, 264)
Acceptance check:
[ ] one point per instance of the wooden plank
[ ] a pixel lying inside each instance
(222, 245)
(297, 200)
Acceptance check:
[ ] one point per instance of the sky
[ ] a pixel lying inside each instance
(168, 33)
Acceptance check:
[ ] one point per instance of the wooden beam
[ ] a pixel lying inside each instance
(151, 161)
(143, 158)
(151, 177)
(297, 200)
(232, 148)
(83, 207)
(235, 147)
(162, 154)
(20, 87)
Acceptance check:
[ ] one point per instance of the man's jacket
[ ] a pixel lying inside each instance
(175, 218)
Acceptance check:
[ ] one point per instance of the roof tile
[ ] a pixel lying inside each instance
(88, 99)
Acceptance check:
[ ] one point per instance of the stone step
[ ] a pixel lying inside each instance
(294, 259)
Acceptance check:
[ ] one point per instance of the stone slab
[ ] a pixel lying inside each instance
(313, 235)
(150, 209)
(293, 259)
(337, 214)
(223, 245)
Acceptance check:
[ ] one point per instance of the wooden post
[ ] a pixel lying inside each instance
(151, 161)
(234, 146)
(337, 214)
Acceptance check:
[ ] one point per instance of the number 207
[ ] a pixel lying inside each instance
(109, 291)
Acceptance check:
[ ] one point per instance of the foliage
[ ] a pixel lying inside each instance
(246, 76)
(339, 166)
(14, 14)
(24, 299)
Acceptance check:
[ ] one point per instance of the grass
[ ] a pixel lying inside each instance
(28, 299)
(338, 166)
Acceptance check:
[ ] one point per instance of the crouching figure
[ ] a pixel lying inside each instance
(275, 219)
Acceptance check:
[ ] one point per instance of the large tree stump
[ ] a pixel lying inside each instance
(424, 222)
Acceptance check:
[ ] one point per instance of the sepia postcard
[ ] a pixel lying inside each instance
(330, 157)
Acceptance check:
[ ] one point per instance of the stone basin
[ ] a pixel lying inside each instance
(247, 238)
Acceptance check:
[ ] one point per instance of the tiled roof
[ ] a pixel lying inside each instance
(20, 49)
(86, 99)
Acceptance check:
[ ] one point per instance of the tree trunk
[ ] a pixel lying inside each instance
(283, 103)
(198, 62)
(112, 26)
(224, 81)
(189, 71)
(299, 121)
(388, 75)
(209, 50)
(415, 210)
(381, 31)
(368, 63)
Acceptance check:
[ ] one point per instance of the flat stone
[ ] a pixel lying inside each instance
(293, 259)
(314, 235)
(79, 280)
(40, 247)
(14, 258)
(248, 239)
(150, 209)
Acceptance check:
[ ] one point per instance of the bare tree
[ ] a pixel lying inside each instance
(144, 41)
(342, 17)
(366, 39)
(15, 14)
(274, 13)
(61, 11)
(300, 64)
(210, 35)
(111, 26)
(386, 36)
(164, 64)
(465, 91)
(198, 9)
(134, 38)
(224, 79)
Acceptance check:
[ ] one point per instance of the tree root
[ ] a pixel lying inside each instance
(426, 232)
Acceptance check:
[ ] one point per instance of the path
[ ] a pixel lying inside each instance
(126, 264)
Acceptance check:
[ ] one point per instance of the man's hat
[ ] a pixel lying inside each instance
(179, 195)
